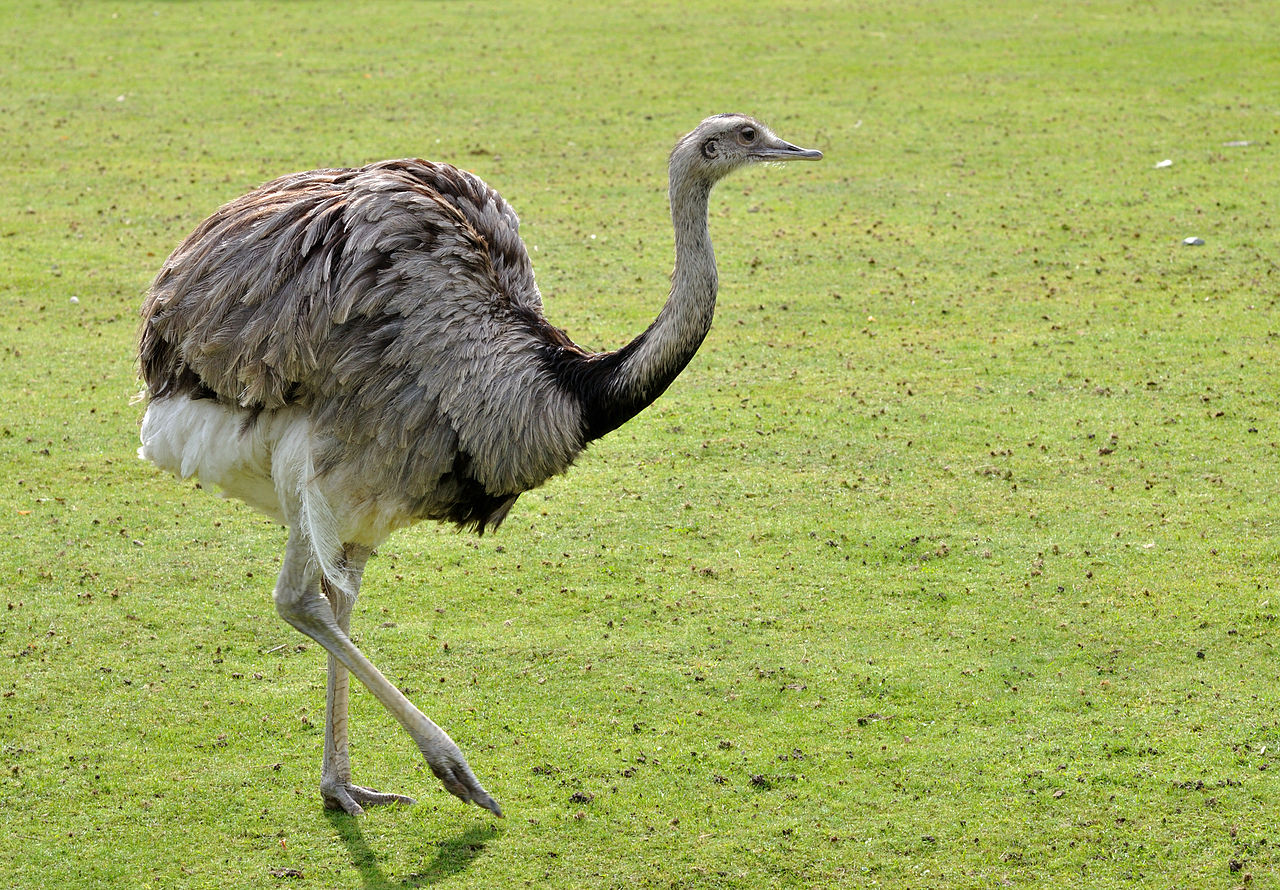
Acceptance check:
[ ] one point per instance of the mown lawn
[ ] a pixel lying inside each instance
(951, 560)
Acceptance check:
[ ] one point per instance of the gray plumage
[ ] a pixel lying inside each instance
(354, 350)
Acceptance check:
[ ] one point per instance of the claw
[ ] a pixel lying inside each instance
(484, 800)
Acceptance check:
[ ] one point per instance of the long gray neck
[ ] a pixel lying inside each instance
(623, 383)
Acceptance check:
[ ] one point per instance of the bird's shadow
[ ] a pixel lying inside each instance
(452, 856)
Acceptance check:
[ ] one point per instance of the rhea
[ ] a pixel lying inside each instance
(351, 351)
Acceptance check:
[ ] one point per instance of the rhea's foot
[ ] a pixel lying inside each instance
(459, 781)
(354, 798)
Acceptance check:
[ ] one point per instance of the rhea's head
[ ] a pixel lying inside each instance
(723, 143)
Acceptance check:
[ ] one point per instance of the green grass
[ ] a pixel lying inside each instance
(949, 562)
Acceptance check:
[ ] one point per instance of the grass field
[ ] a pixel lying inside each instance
(951, 561)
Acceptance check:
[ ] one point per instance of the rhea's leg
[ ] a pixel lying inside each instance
(335, 775)
(299, 601)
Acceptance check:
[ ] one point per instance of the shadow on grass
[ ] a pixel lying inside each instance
(452, 856)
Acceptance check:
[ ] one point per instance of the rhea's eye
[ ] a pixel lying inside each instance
(748, 134)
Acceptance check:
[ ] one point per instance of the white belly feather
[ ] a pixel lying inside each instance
(207, 439)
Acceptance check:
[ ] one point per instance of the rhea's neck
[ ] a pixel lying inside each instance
(623, 383)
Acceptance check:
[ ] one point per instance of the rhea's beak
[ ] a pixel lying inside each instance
(785, 151)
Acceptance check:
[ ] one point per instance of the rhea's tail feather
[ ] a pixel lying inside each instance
(317, 522)
(295, 476)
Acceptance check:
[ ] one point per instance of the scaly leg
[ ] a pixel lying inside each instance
(335, 775)
(300, 601)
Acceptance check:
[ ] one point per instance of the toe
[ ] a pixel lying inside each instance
(354, 798)
(371, 798)
(458, 779)
(338, 798)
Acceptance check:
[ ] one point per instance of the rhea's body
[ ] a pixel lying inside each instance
(366, 344)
